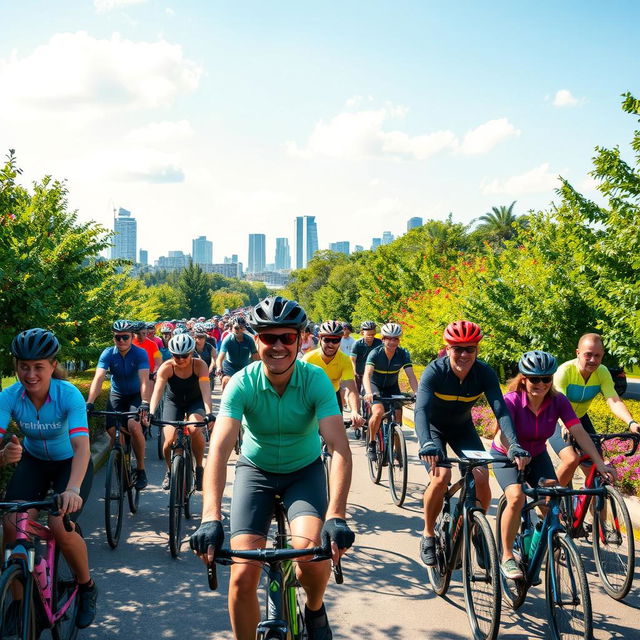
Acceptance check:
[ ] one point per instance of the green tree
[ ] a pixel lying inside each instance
(193, 285)
(500, 224)
(222, 300)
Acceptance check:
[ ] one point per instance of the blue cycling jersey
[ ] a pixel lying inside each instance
(124, 370)
(49, 430)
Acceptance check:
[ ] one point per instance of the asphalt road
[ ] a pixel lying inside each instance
(144, 593)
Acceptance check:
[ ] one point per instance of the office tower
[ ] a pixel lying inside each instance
(387, 237)
(357, 248)
(232, 260)
(412, 223)
(306, 234)
(124, 241)
(202, 250)
(257, 254)
(175, 260)
(340, 247)
(144, 257)
(375, 243)
(283, 257)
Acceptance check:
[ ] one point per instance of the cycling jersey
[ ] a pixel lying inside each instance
(568, 380)
(151, 348)
(49, 430)
(346, 345)
(385, 370)
(280, 432)
(339, 368)
(445, 401)
(238, 353)
(361, 350)
(124, 369)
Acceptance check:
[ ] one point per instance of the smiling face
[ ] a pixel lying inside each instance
(462, 357)
(329, 345)
(537, 387)
(35, 375)
(278, 357)
(590, 353)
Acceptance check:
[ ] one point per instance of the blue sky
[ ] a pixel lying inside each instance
(225, 119)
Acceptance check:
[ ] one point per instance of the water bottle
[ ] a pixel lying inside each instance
(535, 538)
(527, 537)
(40, 571)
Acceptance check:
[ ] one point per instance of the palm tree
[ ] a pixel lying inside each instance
(500, 224)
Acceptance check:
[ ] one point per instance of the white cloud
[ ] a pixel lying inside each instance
(538, 180)
(134, 164)
(485, 137)
(108, 5)
(564, 98)
(161, 133)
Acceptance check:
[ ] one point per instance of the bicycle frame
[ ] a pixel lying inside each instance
(394, 403)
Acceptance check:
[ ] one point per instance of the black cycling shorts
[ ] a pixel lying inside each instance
(34, 477)
(303, 493)
(385, 392)
(173, 410)
(540, 466)
(459, 438)
(121, 402)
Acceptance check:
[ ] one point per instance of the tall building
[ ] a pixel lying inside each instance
(283, 256)
(232, 260)
(144, 257)
(387, 237)
(124, 241)
(175, 260)
(202, 250)
(306, 240)
(341, 247)
(412, 223)
(257, 253)
(357, 248)
(375, 243)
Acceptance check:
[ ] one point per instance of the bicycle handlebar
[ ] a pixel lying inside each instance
(394, 398)
(50, 504)
(478, 462)
(119, 414)
(599, 438)
(178, 423)
(559, 491)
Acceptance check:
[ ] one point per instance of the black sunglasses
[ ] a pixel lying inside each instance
(536, 379)
(175, 357)
(122, 338)
(332, 340)
(458, 350)
(271, 338)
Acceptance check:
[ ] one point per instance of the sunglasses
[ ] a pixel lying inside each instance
(459, 350)
(175, 357)
(332, 340)
(536, 379)
(122, 338)
(271, 338)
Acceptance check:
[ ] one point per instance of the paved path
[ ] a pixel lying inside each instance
(144, 593)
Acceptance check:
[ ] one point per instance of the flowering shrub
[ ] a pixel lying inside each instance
(484, 420)
(628, 468)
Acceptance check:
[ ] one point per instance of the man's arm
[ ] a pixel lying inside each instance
(157, 360)
(413, 382)
(354, 402)
(96, 384)
(366, 379)
(619, 409)
(145, 386)
(353, 364)
(332, 430)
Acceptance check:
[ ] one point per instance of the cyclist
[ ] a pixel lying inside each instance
(55, 452)
(308, 342)
(381, 372)
(449, 387)
(166, 331)
(188, 394)
(535, 407)
(361, 350)
(153, 352)
(236, 351)
(581, 380)
(336, 365)
(130, 388)
(347, 342)
(151, 334)
(282, 403)
(205, 351)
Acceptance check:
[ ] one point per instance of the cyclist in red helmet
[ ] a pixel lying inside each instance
(448, 389)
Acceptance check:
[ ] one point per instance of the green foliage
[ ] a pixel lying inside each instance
(222, 300)
(500, 225)
(193, 286)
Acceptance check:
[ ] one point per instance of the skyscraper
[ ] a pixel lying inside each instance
(124, 242)
(387, 237)
(144, 257)
(340, 247)
(306, 240)
(375, 243)
(283, 256)
(257, 254)
(412, 223)
(202, 250)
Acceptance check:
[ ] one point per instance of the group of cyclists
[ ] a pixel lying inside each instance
(283, 389)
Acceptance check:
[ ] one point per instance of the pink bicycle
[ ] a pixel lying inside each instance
(38, 590)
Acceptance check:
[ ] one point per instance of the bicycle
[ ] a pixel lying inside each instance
(391, 449)
(120, 476)
(326, 464)
(284, 619)
(613, 541)
(52, 603)
(182, 477)
(566, 587)
(467, 532)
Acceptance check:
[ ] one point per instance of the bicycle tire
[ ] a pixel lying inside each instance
(63, 585)
(440, 574)
(133, 494)
(397, 464)
(480, 579)
(375, 466)
(12, 618)
(176, 498)
(188, 485)
(160, 443)
(574, 591)
(615, 560)
(113, 498)
(514, 591)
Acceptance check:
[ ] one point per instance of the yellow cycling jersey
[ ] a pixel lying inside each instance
(340, 368)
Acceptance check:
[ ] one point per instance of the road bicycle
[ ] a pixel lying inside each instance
(182, 479)
(566, 587)
(611, 527)
(284, 618)
(326, 464)
(120, 477)
(391, 449)
(464, 539)
(38, 590)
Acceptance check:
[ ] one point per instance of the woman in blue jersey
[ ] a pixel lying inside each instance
(55, 452)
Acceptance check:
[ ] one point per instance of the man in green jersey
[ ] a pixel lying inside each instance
(284, 405)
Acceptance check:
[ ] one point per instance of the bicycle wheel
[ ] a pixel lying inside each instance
(14, 624)
(133, 494)
(188, 484)
(160, 442)
(613, 545)
(568, 600)
(176, 498)
(64, 595)
(397, 464)
(514, 591)
(480, 579)
(375, 466)
(113, 498)
(440, 575)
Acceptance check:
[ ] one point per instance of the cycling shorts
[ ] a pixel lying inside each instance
(559, 441)
(228, 369)
(121, 402)
(462, 437)
(303, 493)
(173, 410)
(385, 392)
(539, 467)
(33, 477)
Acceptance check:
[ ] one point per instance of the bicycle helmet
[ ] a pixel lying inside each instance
(166, 328)
(239, 321)
(368, 325)
(35, 344)
(150, 325)
(391, 330)
(120, 326)
(347, 325)
(331, 328)
(276, 311)
(199, 328)
(461, 331)
(537, 363)
(180, 331)
(181, 344)
(136, 327)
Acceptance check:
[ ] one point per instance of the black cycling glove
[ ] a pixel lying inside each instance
(89, 407)
(210, 417)
(336, 530)
(209, 534)
(516, 451)
(430, 448)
